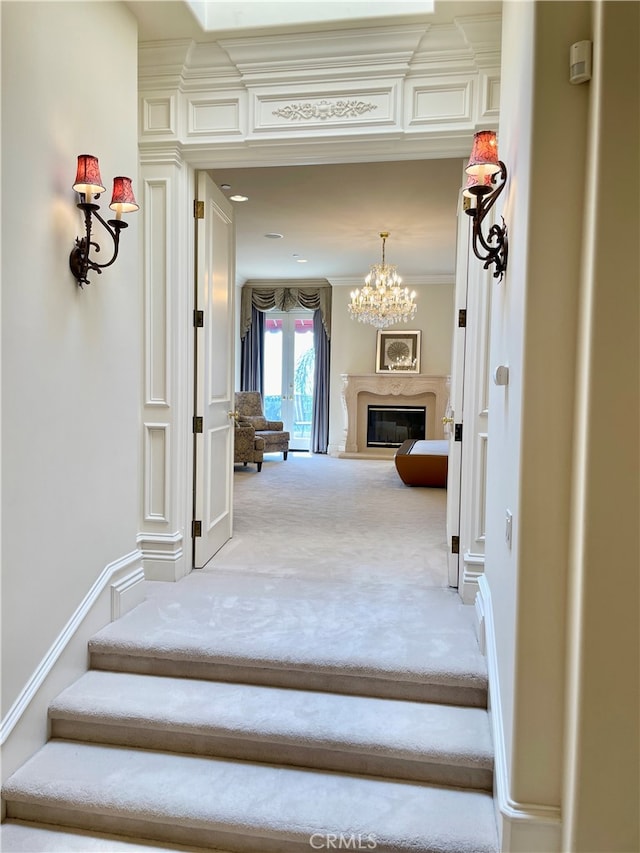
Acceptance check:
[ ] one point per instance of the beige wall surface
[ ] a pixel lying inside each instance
(565, 318)
(71, 358)
(602, 792)
(542, 132)
(353, 344)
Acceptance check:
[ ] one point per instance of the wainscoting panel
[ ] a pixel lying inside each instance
(214, 116)
(489, 103)
(442, 101)
(217, 499)
(158, 116)
(480, 504)
(157, 203)
(167, 404)
(156, 470)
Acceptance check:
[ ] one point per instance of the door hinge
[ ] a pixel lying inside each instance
(462, 318)
(196, 529)
(197, 424)
(198, 319)
(455, 544)
(198, 209)
(457, 433)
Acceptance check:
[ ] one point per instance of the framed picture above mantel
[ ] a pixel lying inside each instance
(398, 352)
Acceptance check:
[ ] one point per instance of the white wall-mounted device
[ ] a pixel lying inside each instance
(580, 62)
(501, 375)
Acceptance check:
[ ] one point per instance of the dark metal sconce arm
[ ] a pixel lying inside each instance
(494, 248)
(79, 261)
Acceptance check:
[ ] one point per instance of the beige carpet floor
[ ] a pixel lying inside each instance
(317, 516)
(321, 647)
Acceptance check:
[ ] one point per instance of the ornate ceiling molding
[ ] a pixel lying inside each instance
(324, 110)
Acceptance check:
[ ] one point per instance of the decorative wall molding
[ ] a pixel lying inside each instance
(162, 555)
(157, 247)
(158, 115)
(489, 105)
(163, 154)
(156, 471)
(324, 110)
(447, 101)
(270, 59)
(318, 108)
(472, 569)
(210, 115)
(523, 827)
(126, 593)
(130, 564)
(166, 435)
(402, 91)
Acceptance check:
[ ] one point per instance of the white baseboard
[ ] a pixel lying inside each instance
(126, 574)
(472, 569)
(523, 827)
(126, 593)
(163, 556)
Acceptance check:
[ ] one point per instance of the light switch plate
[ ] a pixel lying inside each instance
(508, 528)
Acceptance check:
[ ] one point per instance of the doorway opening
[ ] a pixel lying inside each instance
(289, 362)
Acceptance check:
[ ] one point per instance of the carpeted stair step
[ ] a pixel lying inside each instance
(235, 805)
(19, 837)
(306, 635)
(441, 744)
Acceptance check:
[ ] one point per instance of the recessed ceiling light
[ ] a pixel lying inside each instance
(273, 236)
(239, 197)
(302, 260)
(225, 186)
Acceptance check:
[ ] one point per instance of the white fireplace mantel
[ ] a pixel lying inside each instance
(392, 385)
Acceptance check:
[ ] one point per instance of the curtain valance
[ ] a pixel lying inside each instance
(285, 299)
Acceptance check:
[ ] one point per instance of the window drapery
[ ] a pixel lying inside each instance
(320, 416)
(263, 297)
(252, 355)
(256, 299)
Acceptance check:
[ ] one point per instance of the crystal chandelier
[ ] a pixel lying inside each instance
(382, 301)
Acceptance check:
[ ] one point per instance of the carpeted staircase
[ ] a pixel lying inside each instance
(266, 714)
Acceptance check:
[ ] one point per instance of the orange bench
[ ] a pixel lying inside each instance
(423, 463)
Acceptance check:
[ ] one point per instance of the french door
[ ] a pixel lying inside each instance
(289, 361)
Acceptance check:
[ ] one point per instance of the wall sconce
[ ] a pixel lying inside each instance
(89, 183)
(487, 177)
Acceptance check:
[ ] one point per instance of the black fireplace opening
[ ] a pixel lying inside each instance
(389, 426)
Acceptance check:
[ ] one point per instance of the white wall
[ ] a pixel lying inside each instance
(353, 344)
(555, 583)
(70, 358)
(601, 794)
(542, 140)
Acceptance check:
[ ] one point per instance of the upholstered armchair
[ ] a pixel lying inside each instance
(249, 412)
(247, 446)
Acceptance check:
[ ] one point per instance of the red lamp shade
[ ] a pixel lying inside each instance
(88, 180)
(123, 199)
(478, 186)
(484, 155)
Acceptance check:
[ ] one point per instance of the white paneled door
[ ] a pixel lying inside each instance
(214, 361)
(456, 397)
